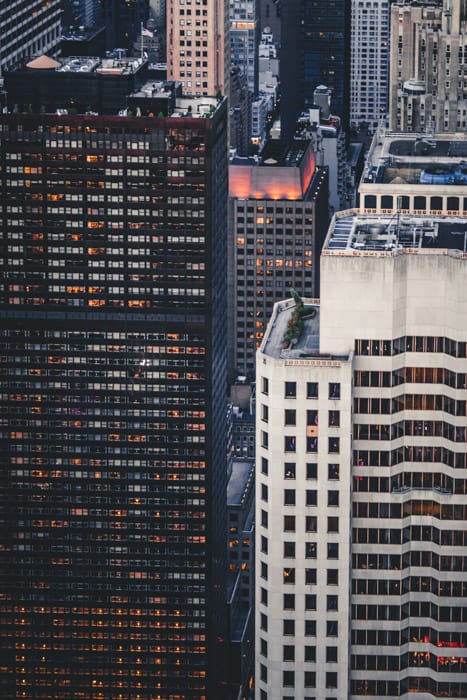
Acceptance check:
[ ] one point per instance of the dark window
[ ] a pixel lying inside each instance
(264, 465)
(289, 523)
(265, 385)
(311, 470)
(264, 570)
(333, 444)
(310, 653)
(333, 498)
(333, 524)
(311, 497)
(288, 679)
(310, 601)
(263, 647)
(331, 654)
(332, 577)
(310, 576)
(311, 443)
(264, 518)
(333, 550)
(263, 673)
(289, 470)
(289, 497)
(264, 622)
(334, 418)
(332, 602)
(288, 652)
(290, 443)
(310, 550)
(290, 390)
(311, 523)
(264, 492)
(310, 679)
(264, 596)
(264, 439)
(290, 416)
(264, 544)
(264, 413)
(288, 627)
(289, 601)
(312, 417)
(333, 472)
(334, 390)
(331, 628)
(331, 679)
(310, 628)
(289, 549)
(312, 390)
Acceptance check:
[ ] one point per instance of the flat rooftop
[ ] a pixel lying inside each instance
(241, 476)
(406, 157)
(351, 233)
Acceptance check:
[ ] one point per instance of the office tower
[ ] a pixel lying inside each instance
(244, 39)
(113, 472)
(277, 221)
(362, 472)
(28, 28)
(239, 113)
(369, 65)
(428, 90)
(198, 45)
(81, 13)
(315, 50)
(123, 21)
(415, 173)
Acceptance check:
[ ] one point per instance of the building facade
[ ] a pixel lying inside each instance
(244, 39)
(428, 89)
(369, 72)
(315, 50)
(198, 46)
(361, 470)
(28, 29)
(114, 471)
(277, 220)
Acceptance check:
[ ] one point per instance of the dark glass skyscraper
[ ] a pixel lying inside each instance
(315, 46)
(113, 476)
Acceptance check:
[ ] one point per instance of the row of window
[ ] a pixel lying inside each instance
(312, 389)
(415, 684)
(411, 375)
(412, 609)
(382, 458)
(449, 639)
(311, 443)
(309, 678)
(412, 533)
(417, 343)
(310, 578)
(413, 507)
(410, 402)
(418, 428)
(418, 584)
(290, 416)
(400, 483)
(311, 496)
(414, 659)
(398, 562)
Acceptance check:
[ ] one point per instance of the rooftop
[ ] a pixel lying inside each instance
(353, 233)
(426, 159)
(240, 480)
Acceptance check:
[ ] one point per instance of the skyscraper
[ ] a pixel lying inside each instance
(428, 89)
(198, 45)
(315, 46)
(361, 474)
(27, 29)
(369, 72)
(113, 475)
(244, 39)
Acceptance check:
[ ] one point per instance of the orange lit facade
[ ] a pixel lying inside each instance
(112, 355)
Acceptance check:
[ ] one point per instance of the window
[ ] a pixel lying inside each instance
(311, 497)
(332, 578)
(311, 470)
(264, 518)
(310, 679)
(334, 418)
(264, 596)
(312, 417)
(264, 570)
(311, 523)
(334, 391)
(331, 655)
(289, 470)
(263, 647)
(333, 445)
(312, 390)
(333, 524)
(264, 544)
(311, 443)
(310, 576)
(289, 601)
(263, 622)
(333, 498)
(264, 465)
(332, 602)
(289, 550)
(310, 628)
(290, 390)
(264, 492)
(264, 439)
(331, 628)
(289, 523)
(263, 673)
(290, 416)
(289, 497)
(333, 472)
(265, 385)
(264, 412)
(288, 575)
(310, 601)
(288, 679)
(311, 549)
(331, 679)
(288, 627)
(333, 550)
(310, 653)
(290, 443)
(288, 652)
